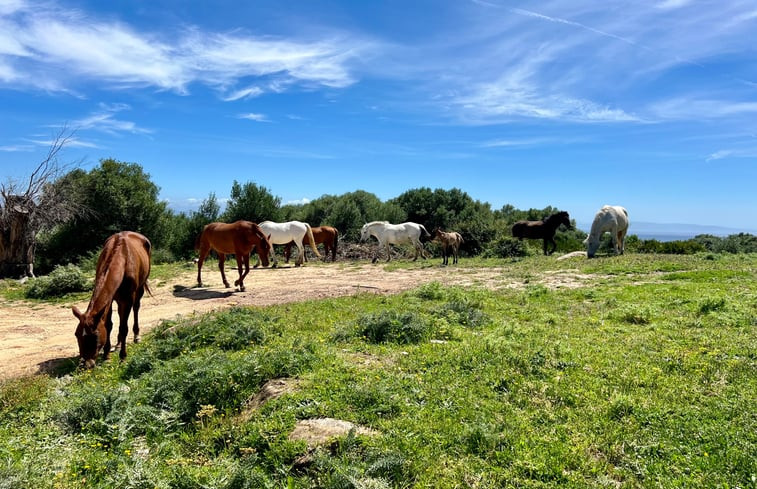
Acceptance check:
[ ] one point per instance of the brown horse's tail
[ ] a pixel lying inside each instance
(336, 241)
(312, 240)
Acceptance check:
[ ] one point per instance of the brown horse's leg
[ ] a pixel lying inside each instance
(108, 329)
(204, 250)
(288, 251)
(124, 309)
(137, 304)
(240, 261)
(221, 261)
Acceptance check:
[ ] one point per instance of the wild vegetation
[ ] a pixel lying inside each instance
(120, 196)
(643, 376)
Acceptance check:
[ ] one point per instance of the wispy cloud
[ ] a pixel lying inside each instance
(52, 48)
(579, 61)
(732, 153)
(72, 142)
(13, 148)
(695, 107)
(672, 4)
(528, 142)
(301, 201)
(251, 116)
(104, 120)
(249, 92)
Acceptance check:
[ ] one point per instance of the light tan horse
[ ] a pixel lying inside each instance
(240, 238)
(121, 276)
(450, 244)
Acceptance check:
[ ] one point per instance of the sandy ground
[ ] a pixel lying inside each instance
(36, 337)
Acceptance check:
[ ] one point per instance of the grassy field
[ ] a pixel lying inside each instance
(644, 376)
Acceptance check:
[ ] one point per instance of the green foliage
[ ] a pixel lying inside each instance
(185, 229)
(641, 373)
(119, 197)
(61, 281)
(251, 202)
(391, 326)
(677, 247)
(506, 247)
(735, 243)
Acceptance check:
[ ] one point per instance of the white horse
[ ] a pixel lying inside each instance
(388, 234)
(285, 232)
(612, 218)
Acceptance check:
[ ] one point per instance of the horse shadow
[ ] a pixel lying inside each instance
(58, 367)
(198, 294)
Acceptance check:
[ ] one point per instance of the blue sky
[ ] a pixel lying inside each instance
(577, 103)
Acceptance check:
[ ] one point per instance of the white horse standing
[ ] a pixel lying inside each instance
(286, 232)
(612, 218)
(388, 234)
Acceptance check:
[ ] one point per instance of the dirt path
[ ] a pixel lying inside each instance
(35, 336)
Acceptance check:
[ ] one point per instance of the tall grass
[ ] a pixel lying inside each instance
(645, 375)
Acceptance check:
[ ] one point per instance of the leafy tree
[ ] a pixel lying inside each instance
(186, 228)
(120, 197)
(251, 202)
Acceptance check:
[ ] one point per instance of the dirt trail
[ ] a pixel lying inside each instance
(34, 337)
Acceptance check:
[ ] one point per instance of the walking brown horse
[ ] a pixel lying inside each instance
(326, 235)
(121, 276)
(544, 229)
(240, 238)
(450, 244)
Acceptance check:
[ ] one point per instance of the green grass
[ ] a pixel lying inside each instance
(646, 376)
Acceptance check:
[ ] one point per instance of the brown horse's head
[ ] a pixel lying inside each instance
(263, 247)
(90, 335)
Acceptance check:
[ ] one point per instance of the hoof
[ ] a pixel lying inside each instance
(226, 284)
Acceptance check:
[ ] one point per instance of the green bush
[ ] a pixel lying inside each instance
(161, 256)
(506, 247)
(394, 327)
(62, 280)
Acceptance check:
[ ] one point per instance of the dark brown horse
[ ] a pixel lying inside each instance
(450, 244)
(240, 238)
(121, 276)
(325, 235)
(544, 229)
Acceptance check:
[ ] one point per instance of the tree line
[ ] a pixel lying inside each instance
(116, 196)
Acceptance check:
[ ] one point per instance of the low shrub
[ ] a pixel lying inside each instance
(394, 327)
(61, 281)
(506, 247)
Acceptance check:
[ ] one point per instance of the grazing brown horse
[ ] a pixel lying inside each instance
(240, 238)
(325, 235)
(544, 229)
(121, 276)
(450, 244)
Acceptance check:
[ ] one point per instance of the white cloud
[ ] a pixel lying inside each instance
(301, 201)
(732, 153)
(72, 141)
(17, 148)
(249, 92)
(254, 117)
(671, 4)
(105, 121)
(694, 107)
(63, 47)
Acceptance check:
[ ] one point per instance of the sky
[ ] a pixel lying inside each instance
(570, 103)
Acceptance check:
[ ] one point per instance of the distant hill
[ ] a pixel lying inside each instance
(673, 231)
